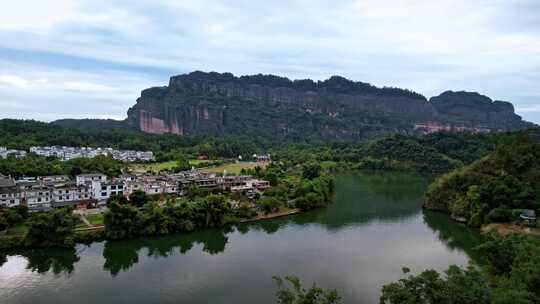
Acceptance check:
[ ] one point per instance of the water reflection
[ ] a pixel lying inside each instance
(3, 258)
(122, 255)
(455, 236)
(364, 197)
(361, 198)
(57, 260)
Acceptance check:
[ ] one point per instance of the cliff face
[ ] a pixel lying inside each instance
(211, 103)
(473, 109)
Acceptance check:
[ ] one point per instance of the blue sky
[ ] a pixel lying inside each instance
(79, 58)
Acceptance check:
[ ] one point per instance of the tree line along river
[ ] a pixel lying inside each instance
(359, 243)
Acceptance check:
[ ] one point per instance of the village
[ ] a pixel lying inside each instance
(44, 193)
(67, 153)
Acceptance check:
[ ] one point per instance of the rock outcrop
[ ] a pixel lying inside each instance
(473, 109)
(264, 105)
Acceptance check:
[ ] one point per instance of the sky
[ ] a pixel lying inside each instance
(91, 58)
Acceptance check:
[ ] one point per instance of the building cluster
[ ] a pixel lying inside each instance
(258, 158)
(433, 127)
(46, 192)
(67, 153)
(5, 153)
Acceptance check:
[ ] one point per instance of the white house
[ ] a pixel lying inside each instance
(70, 194)
(85, 179)
(54, 178)
(104, 190)
(38, 197)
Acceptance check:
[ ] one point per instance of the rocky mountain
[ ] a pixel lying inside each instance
(202, 103)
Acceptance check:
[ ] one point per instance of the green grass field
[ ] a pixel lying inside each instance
(234, 168)
(162, 166)
(95, 219)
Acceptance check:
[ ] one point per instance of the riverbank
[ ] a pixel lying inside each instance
(505, 229)
(96, 232)
(264, 216)
(134, 270)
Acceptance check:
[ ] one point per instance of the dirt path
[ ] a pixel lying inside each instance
(262, 216)
(85, 220)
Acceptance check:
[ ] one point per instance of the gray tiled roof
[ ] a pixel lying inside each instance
(6, 182)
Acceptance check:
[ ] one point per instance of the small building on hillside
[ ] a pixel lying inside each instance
(85, 179)
(104, 190)
(53, 179)
(10, 196)
(262, 158)
(71, 194)
(528, 216)
(38, 196)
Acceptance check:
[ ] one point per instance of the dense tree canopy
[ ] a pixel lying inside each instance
(53, 228)
(437, 152)
(33, 165)
(512, 276)
(296, 294)
(494, 189)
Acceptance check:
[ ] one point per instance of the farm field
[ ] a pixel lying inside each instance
(157, 167)
(234, 168)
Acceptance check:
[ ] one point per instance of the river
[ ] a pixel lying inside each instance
(375, 227)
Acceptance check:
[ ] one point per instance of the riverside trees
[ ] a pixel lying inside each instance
(51, 229)
(126, 220)
(512, 275)
(493, 189)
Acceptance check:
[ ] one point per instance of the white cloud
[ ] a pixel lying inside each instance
(529, 109)
(35, 15)
(84, 86)
(428, 46)
(13, 81)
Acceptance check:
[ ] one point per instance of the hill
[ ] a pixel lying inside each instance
(87, 125)
(493, 189)
(202, 103)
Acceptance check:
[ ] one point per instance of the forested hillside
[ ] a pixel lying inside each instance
(435, 153)
(495, 188)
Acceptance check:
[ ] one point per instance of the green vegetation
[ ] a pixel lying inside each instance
(12, 220)
(512, 275)
(296, 294)
(174, 165)
(33, 165)
(22, 134)
(125, 220)
(154, 167)
(315, 193)
(139, 198)
(182, 164)
(51, 229)
(203, 208)
(233, 168)
(439, 152)
(95, 219)
(494, 189)
(270, 204)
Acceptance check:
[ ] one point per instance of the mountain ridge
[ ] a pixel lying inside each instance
(214, 103)
(200, 103)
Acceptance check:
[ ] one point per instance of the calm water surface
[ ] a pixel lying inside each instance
(375, 227)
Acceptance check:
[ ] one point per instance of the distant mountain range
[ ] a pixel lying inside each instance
(202, 103)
